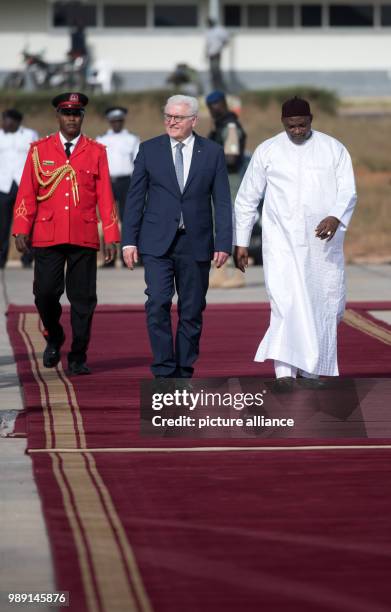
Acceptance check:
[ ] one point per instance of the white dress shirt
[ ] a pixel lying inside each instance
(14, 147)
(187, 153)
(122, 148)
(216, 38)
(73, 142)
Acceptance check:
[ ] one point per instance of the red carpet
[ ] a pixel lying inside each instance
(119, 357)
(297, 530)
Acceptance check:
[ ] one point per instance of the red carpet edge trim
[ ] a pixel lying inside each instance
(367, 326)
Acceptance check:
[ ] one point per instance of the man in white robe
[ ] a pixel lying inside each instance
(307, 182)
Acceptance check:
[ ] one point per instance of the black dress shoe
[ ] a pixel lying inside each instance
(162, 384)
(51, 354)
(78, 369)
(312, 383)
(283, 385)
(184, 384)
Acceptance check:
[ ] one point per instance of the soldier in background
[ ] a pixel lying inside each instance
(15, 140)
(122, 148)
(229, 133)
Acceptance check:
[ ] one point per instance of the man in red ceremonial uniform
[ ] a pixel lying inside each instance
(65, 178)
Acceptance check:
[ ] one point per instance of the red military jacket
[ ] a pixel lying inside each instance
(58, 197)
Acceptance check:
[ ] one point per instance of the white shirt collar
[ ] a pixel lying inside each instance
(74, 141)
(186, 142)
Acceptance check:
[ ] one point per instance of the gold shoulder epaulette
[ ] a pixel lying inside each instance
(40, 141)
(98, 144)
(37, 142)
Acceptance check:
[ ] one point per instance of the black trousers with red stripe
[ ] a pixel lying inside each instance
(72, 268)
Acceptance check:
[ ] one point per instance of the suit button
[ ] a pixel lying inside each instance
(176, 219)
(67, 178)
(66, 207)
(67, 194)
(67, 162)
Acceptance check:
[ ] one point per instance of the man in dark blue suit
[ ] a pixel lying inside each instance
(170, 221)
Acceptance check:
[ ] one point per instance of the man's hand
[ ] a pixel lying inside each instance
(130, 255)
(241, 258)
(110, 250)
(327, 228)
(220, 258)
(22, 243)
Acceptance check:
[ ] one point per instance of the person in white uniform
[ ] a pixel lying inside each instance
(122, 148)
(15, 140)
(217, 38)
(307, 181)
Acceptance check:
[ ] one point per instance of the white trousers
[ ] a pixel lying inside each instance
(285, 369)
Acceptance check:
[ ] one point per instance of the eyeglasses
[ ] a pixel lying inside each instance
(68, 112)
(176, 118)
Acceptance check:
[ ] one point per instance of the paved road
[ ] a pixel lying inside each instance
(122, 286)
(24, 542)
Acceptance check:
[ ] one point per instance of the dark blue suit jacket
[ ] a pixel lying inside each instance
(154, 201)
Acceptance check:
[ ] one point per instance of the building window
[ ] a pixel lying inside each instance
(233, 15)
(175, 16)
(258, 16)
(311, 15)
(68, 14)
(285, 16)
(385, 18)
(124, 15)
(353, 15)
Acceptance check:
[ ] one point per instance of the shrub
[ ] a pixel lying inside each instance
(34, 103)
(324, 99)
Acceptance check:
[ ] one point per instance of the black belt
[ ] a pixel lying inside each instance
(121, 178)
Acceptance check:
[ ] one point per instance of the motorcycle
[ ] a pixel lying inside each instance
(40, 74)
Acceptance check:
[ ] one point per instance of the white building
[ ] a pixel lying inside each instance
(342, 44)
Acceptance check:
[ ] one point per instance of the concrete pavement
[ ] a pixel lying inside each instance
(122, 286)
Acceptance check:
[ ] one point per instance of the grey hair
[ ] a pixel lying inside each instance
(191, 102)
